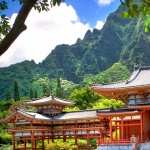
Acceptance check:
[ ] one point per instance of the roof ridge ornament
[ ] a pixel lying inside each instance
(53, 97)
(135, 76)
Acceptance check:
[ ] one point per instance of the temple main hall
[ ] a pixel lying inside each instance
(48, 121)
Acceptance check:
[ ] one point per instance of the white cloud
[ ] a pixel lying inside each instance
(99, 24)
(45, 30)
(105, 2)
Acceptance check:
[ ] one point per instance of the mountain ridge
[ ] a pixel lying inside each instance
(119, 40)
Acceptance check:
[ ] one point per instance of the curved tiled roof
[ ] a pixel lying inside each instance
(140, 77)
(77, 115)
(60, 117)
(50, 99)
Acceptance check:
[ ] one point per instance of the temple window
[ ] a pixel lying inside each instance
(148, 99)
(135, 99)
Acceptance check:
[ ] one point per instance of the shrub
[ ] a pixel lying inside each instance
(5, 138)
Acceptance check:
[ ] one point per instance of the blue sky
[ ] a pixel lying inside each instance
(63, 24)
(89, 11)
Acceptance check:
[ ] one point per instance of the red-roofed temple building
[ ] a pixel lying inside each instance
(49, 122)
(134, 119)
(107, 126)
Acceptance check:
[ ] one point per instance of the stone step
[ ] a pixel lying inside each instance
(115, 147)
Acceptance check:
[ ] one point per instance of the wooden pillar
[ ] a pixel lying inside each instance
(100, 137)
(13, 141)
(110, 128)
(75, 134)
(35, 144)
(122, 129)
(33, 140)
(128, 134)
(48, 137)
(116, 136)
(64, 136)
(43, 141)
(87, 132)
(52, 133)
(25, 144)
(141, 126)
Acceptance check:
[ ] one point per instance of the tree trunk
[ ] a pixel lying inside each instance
(18, 26)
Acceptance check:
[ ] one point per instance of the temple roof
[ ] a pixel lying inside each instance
(34, 115)
(59, 117)
(118, 111)
(139, 78)
(77, 115)
(49, 100)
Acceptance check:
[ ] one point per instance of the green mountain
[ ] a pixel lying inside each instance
(96, 52)
(120, 40)
(22, 72)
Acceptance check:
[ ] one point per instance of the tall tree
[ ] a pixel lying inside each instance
(46, 90)
(16, 91)
(31, 93)
(59, 89)
(35, 94)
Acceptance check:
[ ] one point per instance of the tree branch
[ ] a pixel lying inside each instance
(18, 26)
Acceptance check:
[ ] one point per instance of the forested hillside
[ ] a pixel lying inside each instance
(120, 40)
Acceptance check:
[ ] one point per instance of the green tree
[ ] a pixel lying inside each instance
(42, 85)
(116, 72)
(31, 93)
(16, 91)
(59, 89)
(107, 103)
(8, 95)
(84, 97)
(138, 8)
(35, 94)
(46, 90)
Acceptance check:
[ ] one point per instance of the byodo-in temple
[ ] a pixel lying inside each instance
(107, 126)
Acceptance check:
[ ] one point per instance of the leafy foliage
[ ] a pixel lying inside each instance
(115, 73)
(107, 103)
(138, 9)
(44, 86)
(69, 145)
(16, 91)
(59, 89)
(4, 26)
(83, 97)
(40, 85)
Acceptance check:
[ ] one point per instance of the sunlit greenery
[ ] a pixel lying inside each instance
(115, 73)
(68, 145)
(83, 97)
(107, 103)
(140, 9)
